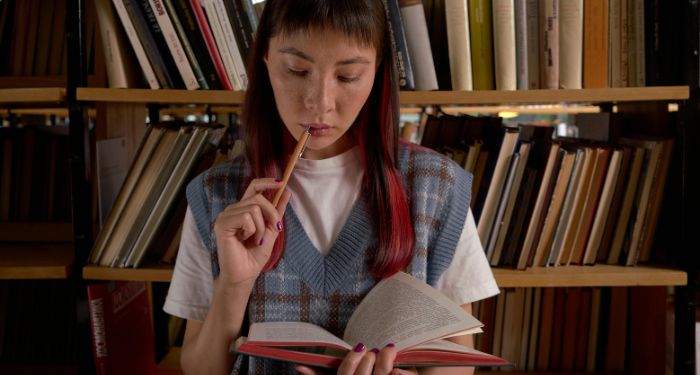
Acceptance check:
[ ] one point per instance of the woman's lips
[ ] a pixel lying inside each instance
(318, 129)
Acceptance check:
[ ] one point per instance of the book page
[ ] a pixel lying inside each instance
(293, 332)
(405, 311)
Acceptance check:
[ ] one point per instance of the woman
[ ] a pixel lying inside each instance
(362, 206)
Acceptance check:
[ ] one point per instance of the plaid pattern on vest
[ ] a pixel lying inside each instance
(324, 290)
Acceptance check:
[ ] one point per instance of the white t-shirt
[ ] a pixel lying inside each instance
(323, 194)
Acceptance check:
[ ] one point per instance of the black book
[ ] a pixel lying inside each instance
(157, 58)
(399, 46)
(242, 30)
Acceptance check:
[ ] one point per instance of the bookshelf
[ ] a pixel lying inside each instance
(63, 246)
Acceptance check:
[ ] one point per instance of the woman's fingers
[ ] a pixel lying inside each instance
(260, 185)
(352, 359)
(384, 362)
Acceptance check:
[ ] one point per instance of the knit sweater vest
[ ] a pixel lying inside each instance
(324, 290)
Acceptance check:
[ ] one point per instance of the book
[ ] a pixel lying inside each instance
(398, 45)
(217, 60)
(119, 62)
(481, 43)
(122, 333)
(184, 22)
(419, 50)
(457, 24)
(504, 47)
(174, 44)
(549, 49)
(570, 44)
(149, 73)
(595, 44)
(431, 316)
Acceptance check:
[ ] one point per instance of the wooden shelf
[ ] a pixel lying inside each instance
(522, 97)
(36, 232)
(572, 276)
(55, 95)
(220, 97)
(22, 261)
(597, 275)
(157, 273)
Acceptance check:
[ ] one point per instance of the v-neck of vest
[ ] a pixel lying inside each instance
(324, 274)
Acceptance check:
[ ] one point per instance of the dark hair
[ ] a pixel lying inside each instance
(269, 144)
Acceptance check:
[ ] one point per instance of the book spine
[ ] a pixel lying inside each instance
(457, 20)
(210, 43)
(114, 52)
(416, 28)
(521, 62)
(230, 40)
(98, 327)
(148, 40)
(595, 44)
(250, 14)
(398, 45)
(221, 44)
(146, 68)
(503, 13)
(185, 39)
(241, 29)
(481, 41)
(533, 45)
(570, 44)
(174, 45)
(549, 31)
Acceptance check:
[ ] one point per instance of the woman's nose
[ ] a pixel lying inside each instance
(319, 97)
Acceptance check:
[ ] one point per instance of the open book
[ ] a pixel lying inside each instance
(400, 310)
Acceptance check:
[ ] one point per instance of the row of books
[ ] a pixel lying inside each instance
(540, 201)
(192, 44)
(34, 172)
(146, 215)
(32, 37)
(547, 44)
(577, 329)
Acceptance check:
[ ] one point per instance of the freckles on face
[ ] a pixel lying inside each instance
(320, 79)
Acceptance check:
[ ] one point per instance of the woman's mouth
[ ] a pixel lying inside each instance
(317, 130)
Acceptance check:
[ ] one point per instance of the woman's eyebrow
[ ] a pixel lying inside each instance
(302, 55)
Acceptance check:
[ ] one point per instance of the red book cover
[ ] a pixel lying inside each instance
(122, 333)
(211, 43)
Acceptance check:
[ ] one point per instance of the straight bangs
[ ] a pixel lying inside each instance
(351, 18)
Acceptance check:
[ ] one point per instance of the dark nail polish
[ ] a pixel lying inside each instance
(280, 226)
(360, 347)
(390, 345)
(278, 180)
(261, 242)
(374, 350)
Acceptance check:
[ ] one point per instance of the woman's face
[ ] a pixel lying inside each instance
(320, 79)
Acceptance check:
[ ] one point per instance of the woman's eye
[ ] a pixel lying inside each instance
(297, 72)
(348, 79)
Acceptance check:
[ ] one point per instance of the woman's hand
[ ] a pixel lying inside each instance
(246, 230)
(361, 361)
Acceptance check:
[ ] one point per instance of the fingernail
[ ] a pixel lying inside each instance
(374, 350)
(360, 347)
(278, 180)
(390, 345)
(280, 226)
(261, 242)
